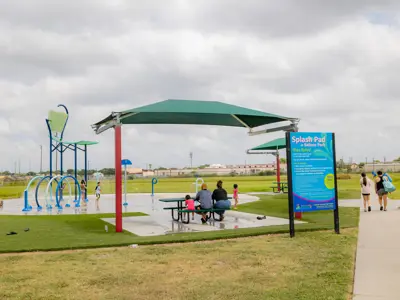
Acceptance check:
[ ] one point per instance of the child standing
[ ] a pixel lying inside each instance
(83, 191)
(235, 195)
(98, 194)
(190, 205)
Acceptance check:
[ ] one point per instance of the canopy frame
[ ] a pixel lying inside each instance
(184, 112)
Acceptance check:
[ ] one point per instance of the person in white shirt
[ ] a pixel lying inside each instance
(366, 184)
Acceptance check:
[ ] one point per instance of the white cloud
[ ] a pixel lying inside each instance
(333, 64)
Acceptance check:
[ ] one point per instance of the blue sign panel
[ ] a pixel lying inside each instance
(312, 171)
(126, 162)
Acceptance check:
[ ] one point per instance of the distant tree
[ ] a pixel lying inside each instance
(107, 171)
(361, 165)
(6, 173)
(377, 161)
(340, 164)
(161, 169)
(70, 171)
(203, 166)
(283, 160)
(397, 159)
(30, 174)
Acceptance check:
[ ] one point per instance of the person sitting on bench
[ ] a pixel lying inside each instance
(221, 197)
(204, 196)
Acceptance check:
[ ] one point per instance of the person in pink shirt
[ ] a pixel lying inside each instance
(235, 195)
(190, 205)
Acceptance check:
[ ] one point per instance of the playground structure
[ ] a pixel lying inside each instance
(154, 181)
(56, 124)
(198, 183)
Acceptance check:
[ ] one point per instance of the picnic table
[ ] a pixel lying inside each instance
(180, 209)
(178, 206)
(281, 186)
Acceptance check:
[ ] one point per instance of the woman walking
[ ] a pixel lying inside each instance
(380, 191)
(365, 183)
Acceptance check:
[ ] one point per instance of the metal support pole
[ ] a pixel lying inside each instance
(51, 158)
(86, 174)
(278, 170)
(41, 158)
(289, 174)
(118, 183)
(125, 184)
(336, 211)
(61, 159)
(76, 169)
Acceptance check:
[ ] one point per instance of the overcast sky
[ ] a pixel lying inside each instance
(334, 64)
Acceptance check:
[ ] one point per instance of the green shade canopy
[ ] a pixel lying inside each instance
(194, 112)
(272, 145)
(79, 143)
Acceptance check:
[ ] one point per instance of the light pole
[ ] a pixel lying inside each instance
(41, 158)
(191, 159)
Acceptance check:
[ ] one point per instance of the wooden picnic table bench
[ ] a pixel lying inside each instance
(280, 187)
(180, 209)
(211, 211)
(179, 206)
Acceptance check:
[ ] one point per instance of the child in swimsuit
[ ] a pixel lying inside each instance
(190, 205)
(235, 195)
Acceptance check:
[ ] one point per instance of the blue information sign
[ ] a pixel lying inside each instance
(312, 171)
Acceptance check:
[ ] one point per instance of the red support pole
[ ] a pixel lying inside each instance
(118, 180)
(278, 171)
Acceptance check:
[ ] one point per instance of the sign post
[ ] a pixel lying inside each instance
(125, 163)
(312, 178)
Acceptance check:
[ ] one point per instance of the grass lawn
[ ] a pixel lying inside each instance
(348, 189)
(312, 266)
(87, 231)
(59, 232)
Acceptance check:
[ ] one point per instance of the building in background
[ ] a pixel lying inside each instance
(216, 169)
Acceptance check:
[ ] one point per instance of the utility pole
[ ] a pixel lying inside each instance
(19, 166)
(373, 164)
(15, 167)
(41, 158)
(191, 159)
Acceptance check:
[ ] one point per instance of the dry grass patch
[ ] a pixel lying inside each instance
(314, 265)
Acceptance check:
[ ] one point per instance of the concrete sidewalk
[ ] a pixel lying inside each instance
(377, 273)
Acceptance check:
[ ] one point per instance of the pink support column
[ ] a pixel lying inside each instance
(118, 180)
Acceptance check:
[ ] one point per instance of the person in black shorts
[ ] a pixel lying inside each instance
(380, 191)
